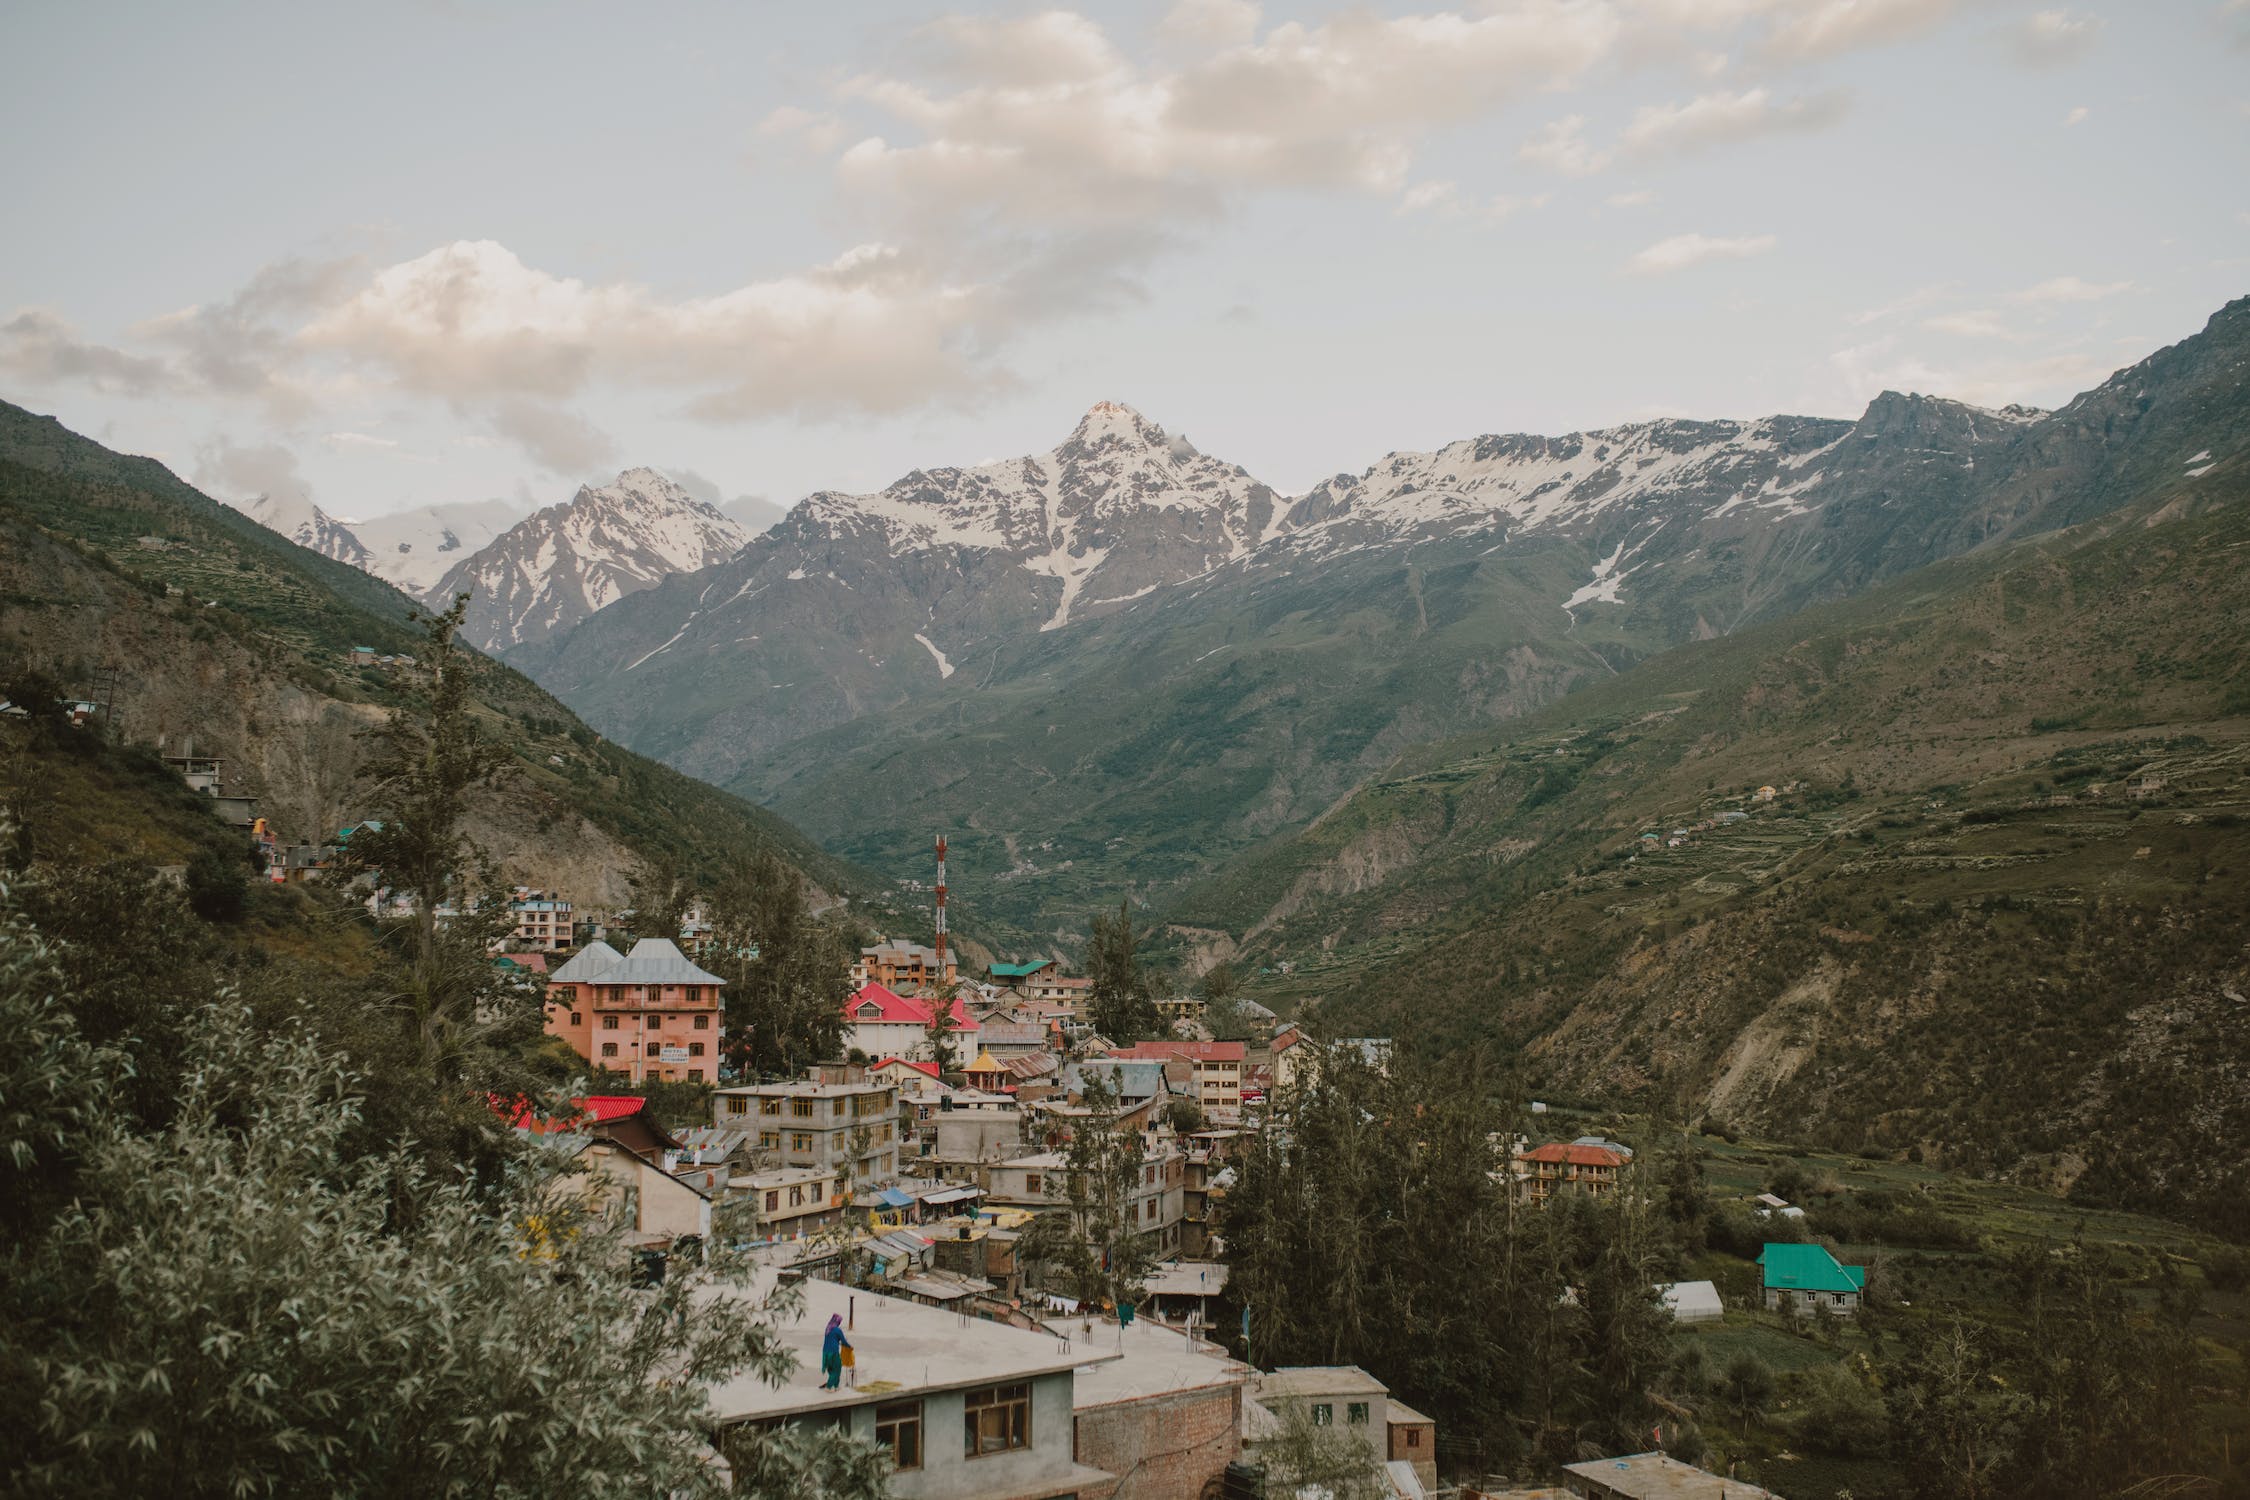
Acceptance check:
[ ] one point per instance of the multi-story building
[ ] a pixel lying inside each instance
(543, 920)
(904, 968)
(851, 1128)
(1544, 1171)
(1158, 1198)
(650, 1015)
(793, 1202)
(1218, 1066)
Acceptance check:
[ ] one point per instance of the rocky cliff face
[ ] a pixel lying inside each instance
(555, 568)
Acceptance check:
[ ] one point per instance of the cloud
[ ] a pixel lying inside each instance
(2077, 116)
(1684, 250)
(1829, 28)
(1974, 324)
(1638, 198)
(467, 322)
(1441, 198)
(1724, 118)
(1562, 147)
(818, 132)
(349, 440)
(1658, 130)
(1210, 23)
(1865, 371)
(247, 473)
(2052, 38)
(2070, 289)
(239, 347)
(559, 441)
(43, 349)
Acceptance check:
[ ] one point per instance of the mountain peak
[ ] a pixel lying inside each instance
(1115, 422)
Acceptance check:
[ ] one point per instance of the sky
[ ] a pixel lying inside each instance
(380, 257)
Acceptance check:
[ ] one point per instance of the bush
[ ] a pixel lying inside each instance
(1747, 1385)
(1837, 1413)
(2227, 1268)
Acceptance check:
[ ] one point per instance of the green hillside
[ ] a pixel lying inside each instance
(124, 583)
(1996, 912)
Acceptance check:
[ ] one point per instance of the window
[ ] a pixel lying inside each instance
(841, 1106)
(797, 1197)
(769, 1140)
(655, 1049)
(801, 1108)
(737, 1105)
(1151, 1210)
(996, 1419)
(1030, 1184)
(695, 1049)
(773, 1199)
(609, 1023)
(609, 1049)
(1356, 1414)
(577, 1018)
(769, 1106)
(1323, 1415)
(898, 1427)
(1413, 1437)
(800, 1140)
(702, 1023)
(656, 1020)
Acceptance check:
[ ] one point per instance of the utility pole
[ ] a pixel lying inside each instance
(939, 978)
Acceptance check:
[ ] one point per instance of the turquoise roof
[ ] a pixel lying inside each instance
(1021, 971)
(1808, 1268)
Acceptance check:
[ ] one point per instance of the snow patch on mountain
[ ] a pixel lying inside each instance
(944, 667)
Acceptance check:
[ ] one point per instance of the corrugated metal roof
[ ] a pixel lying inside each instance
(655, 961)
(596, 958)
(1808, 1268)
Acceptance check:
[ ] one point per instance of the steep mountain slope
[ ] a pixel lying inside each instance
(1995, 910)
(309, 527)
(1111, 667)
(558, 566)
(192, 619)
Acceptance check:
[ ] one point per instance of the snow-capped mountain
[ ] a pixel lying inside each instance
(414, 548)
(1125, 567)
(308, 526)
(559, 565)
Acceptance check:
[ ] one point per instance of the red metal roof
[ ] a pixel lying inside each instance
(930, 1068)
(895, 1007)
(1576, 1156)
(595, 1109)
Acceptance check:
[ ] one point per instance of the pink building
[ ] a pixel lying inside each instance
(650, 1014)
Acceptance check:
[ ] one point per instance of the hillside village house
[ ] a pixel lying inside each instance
(1156, 1205)
(650, 1015)
(1218, 1066)
(880, 1022)
(966, 1409)
(1339, 1396)
(903, 968)
(542, 918)
(851, 1128)
(1807, 1276)
(1544, 1171)
(1016, 978)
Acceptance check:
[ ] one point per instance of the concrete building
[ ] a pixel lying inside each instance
(1218, 1066)
(967, 1409)
(1654, 1476)
(880, 1022)
(1557, 1168)
(1164, 1416)
(1330, 1396)
(543, 920)
(652, 1014)
(849, 1127)
(1413, 1440)
(904, 968)
(1042, 1180)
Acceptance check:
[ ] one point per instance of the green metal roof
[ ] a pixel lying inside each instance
(1808, 1268)
(1021, 971)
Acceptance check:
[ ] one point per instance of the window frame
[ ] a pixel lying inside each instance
(904, 1419)
(1323, 1414)
(1005, 1402)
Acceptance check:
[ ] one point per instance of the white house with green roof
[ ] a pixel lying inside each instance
(1809, 1277)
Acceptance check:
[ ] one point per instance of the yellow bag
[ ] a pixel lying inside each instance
(849, 1361)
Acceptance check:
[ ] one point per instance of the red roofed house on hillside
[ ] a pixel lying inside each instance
(1218, 1065)
(619, 1118)
(883, 1024)
(650, 1015)
(1559, 1168)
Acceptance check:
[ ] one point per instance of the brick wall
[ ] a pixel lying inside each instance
(1164, 1448)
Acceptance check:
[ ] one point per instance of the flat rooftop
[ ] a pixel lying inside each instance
(902, 1348)
(1659, 1476)
(1188, 1278)
(1319, 1380)
(806, 1088)
(1144, 1360)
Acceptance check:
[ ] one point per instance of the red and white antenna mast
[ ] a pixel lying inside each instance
(940, 976)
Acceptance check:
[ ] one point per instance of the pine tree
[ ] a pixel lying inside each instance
(1120, 1000)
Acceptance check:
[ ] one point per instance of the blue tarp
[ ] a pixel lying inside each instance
(893, 1198)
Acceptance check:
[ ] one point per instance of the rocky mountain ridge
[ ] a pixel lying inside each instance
(559, 565)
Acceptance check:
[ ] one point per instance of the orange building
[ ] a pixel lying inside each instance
(649, 1015)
